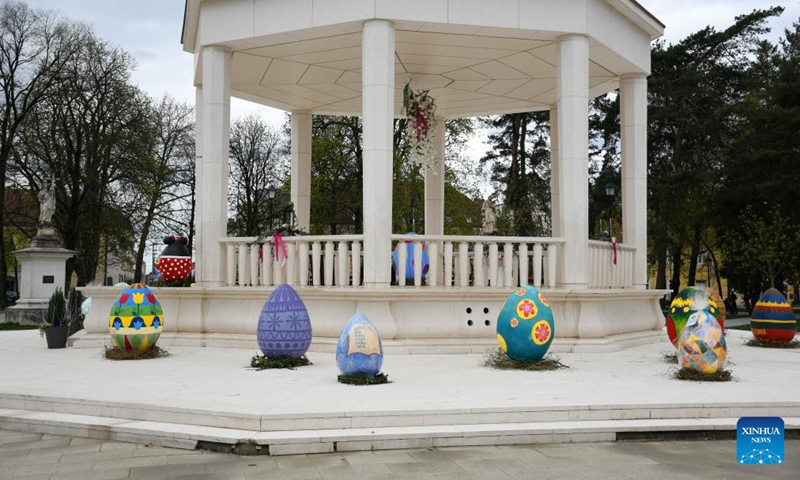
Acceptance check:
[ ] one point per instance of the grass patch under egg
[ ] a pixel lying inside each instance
(754, 342)
(261, 362)
(691, 375)
(116, 353)
(377, 379)
(499, 360)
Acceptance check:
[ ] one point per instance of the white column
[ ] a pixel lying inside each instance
(556, 218)
(573, 157)
(211, 217)
(377, 59)
(434, 185)
(301, 168)
(198, 174)
(633, 127)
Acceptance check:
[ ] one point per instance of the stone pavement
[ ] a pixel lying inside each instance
(38, 456)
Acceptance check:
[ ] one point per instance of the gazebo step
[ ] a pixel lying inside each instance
(254, 442)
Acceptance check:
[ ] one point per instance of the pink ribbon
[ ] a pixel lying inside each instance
(277, 238)
(614, 247)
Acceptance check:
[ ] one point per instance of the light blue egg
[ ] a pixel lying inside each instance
(360, 349)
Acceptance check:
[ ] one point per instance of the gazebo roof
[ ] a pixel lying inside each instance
(475, 57)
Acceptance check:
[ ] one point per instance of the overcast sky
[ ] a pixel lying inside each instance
(151, 29)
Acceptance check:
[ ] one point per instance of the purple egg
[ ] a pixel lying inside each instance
(284, 328)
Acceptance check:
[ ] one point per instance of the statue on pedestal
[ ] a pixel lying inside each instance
(46, 234)
(47, 203)
(489, 216)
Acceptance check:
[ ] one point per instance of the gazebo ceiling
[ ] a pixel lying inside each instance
(469, 70)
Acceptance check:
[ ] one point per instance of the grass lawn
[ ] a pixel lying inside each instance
(16, 326)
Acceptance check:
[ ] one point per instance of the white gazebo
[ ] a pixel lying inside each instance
(476, 57)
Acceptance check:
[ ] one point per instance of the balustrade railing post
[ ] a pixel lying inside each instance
(463, 264)
(231, 251)
(266, 264)
(316, 253)
(523, 264)
(493, 263)
(477, 264)
(356, 264)
(253, 256)
(328, 263)
(303, 262)
(537, 264)
(342, 279)
(291, 265)
(277, 268)
(433, 263)
(552, 255)
(508, 259)
(402, 258)
(417, 263)
(447, 280)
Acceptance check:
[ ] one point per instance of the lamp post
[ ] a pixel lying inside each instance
(611, 190)
(271, 191)
(707, 262)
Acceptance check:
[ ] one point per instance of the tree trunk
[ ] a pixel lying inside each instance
(676, 269)
(661, 251)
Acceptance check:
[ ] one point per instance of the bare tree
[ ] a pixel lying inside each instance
(34, 47)
(89, 135)
(258, 160)
(161, 175)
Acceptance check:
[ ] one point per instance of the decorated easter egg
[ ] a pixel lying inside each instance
(701, 346)
(136, 319)
(773, 320)
(525, 325)
(685, 303)
(409, 246)
(284, 328)
(360, 350)
(175, 261)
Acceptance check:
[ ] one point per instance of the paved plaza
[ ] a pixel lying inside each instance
(38, 456)
(444, 414)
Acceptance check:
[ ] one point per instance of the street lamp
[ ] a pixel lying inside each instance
(611, 190)
(271, 191)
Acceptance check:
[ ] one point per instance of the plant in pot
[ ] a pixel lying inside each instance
(74, 312)
(56, 321)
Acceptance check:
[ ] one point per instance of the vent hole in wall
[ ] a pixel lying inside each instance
(487, 322)
(486, 310)
(469, 310)
(469, 322)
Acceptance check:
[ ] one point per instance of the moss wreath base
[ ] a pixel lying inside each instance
(691, 375)
(116, 353)
(377, 379)
(260, 362)
(499, 360)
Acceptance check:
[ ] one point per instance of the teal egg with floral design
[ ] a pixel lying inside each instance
(525, 325)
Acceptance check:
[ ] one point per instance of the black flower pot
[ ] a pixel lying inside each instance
(57, 337)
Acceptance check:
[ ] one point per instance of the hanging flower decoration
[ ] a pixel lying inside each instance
(420, 124)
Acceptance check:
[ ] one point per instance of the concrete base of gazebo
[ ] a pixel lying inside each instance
(410, 320)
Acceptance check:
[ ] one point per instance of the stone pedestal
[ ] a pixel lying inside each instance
(43, 269)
